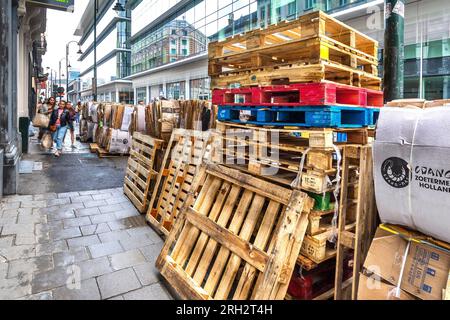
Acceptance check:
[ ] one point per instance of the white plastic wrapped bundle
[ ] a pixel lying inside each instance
(412, 169)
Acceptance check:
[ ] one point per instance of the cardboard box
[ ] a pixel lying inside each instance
(426, 268)
(376, 288)
(412, 169)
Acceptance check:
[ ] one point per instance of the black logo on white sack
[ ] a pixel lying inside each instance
(395, 172)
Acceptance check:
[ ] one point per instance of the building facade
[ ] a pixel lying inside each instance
(184, 74)
(113, 53)
(22, 44)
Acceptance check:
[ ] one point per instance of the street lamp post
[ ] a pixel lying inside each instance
(68, 63)
(59, 74)
(94, 81)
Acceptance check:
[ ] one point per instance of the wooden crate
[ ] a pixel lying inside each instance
(240, 239)
(140, 170)
(183, 157)
(324, 71)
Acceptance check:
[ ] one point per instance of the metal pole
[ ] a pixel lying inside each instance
(394, 51)
(67, 72)
(94, 82)
(60, 98)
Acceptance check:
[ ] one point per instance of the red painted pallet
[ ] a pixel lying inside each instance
(301, 94)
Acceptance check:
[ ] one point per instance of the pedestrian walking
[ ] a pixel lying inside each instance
(47, 109)
(71, 127)
(59, 121)
(78, 110)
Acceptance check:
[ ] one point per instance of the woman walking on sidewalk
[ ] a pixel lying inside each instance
(72, 114)
(47, 109)
(59, 120)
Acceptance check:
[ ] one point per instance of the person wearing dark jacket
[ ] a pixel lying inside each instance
(59, 120)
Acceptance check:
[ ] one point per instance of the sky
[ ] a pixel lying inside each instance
(60, 28)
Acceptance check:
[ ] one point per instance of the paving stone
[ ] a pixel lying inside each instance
(61, 214)
(76, 222)
(147, 273)
(129, 205)
(83, 241)
(127, 223)
(94, 203)
(142, 230)
(102, 196)
(116, 298)
(56, 202)
(29, 266)
(126, 259)
(86, 212)
(17, 252)
(68, 194)
(126, 213)
(26, 215)
(155, 291)
(104, 249)
(117, 200)
(88, 192)
(15, 288)
(66, 233)
(94, 267)
(25, 238)
(50, 279)
(80, 198)
(45, 196)
(135, 242)
(152, 252)
(3, 269)
(18, 198)
(100, 218)
(110, 208)
(88, 290)
(33, 204)
(12, 212)
(95, 229)
(113, 236)
(51, 248)
(9, 205)
(6, 242)
(117, 283)
(46, 295)
(72, 256)
(107, 190)
(16, 228)
(8, 220)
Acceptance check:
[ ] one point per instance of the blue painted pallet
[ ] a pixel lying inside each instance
(328, 116)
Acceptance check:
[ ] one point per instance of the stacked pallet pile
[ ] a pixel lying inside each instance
(296, 106)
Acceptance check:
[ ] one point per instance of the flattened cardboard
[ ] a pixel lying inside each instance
(376, 288)
(426, 268)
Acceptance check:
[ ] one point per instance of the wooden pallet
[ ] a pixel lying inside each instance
(287, 33)
(239, 240)
(183, 157)
(93, 147)
(102, 153)
(325, 71)
(359, 239)
(140, 170)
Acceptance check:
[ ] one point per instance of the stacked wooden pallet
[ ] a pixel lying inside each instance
(297, 102)
(140, 171)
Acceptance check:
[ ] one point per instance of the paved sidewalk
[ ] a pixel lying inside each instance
(77, 245)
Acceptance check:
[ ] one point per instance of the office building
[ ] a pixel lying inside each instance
(160, 26)
(113, 53)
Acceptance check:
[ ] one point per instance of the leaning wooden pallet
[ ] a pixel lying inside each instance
(140, 170)
(360, 239)
(183, 157)
(237, 222)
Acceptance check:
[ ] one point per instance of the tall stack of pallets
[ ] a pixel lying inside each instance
(296, 105)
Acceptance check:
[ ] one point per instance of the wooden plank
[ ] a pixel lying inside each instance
(235, 244)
